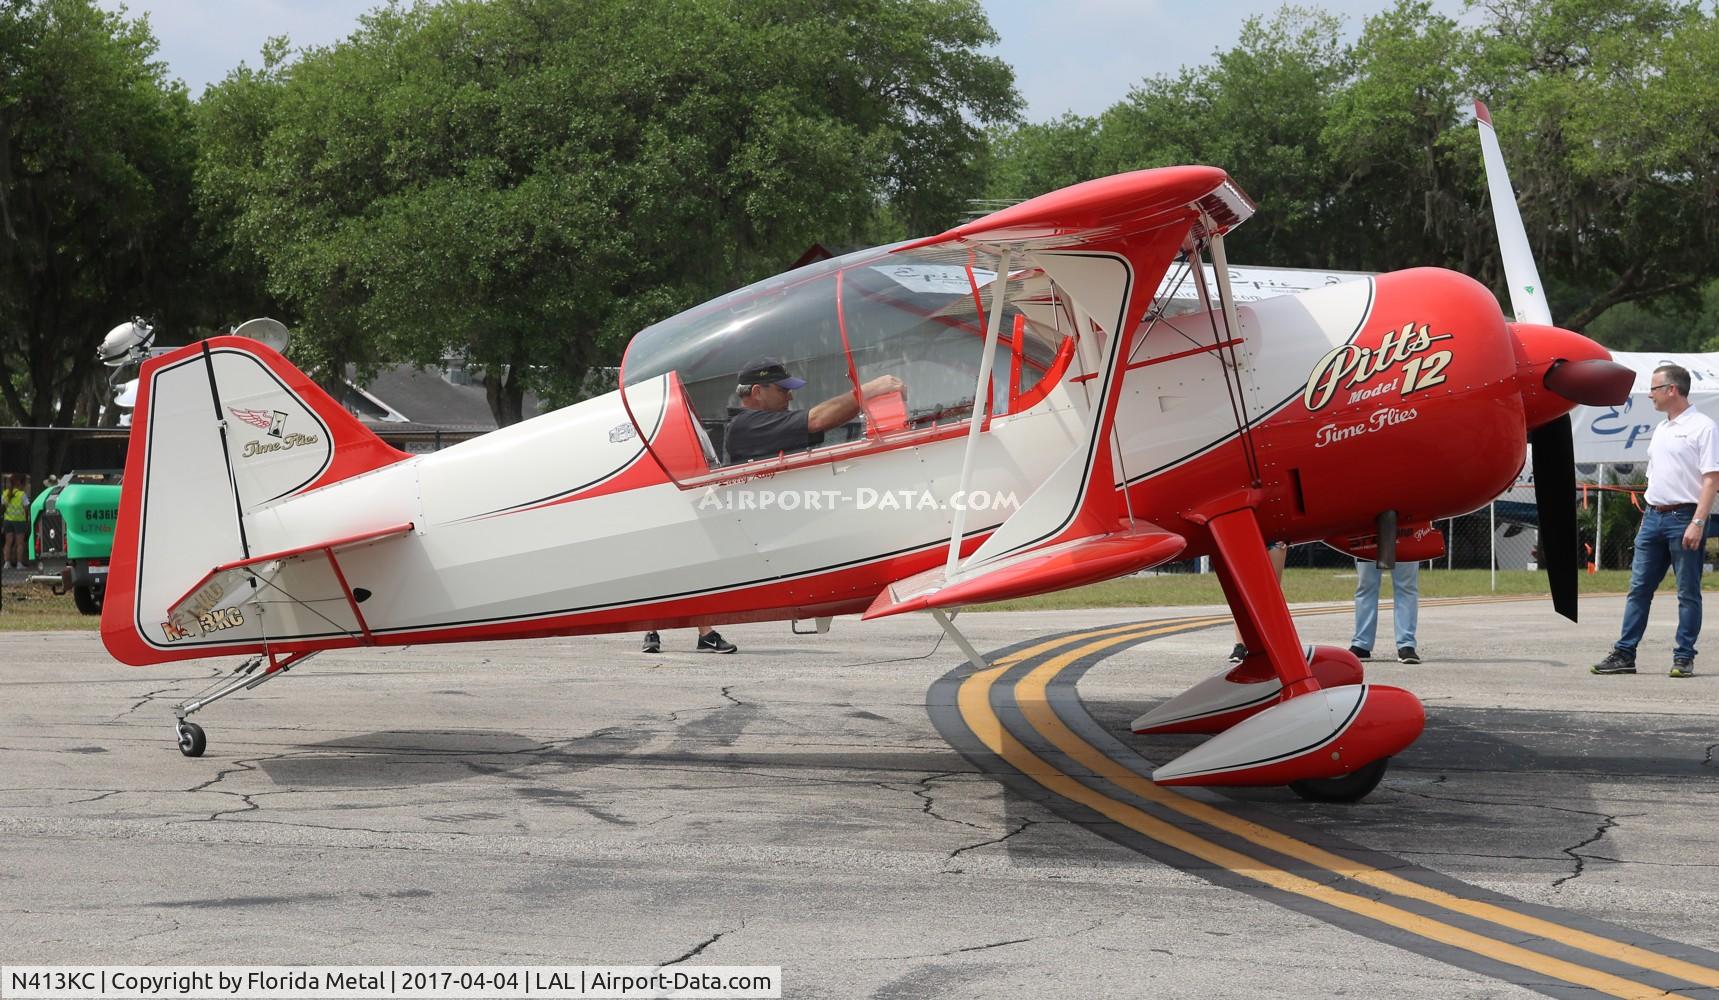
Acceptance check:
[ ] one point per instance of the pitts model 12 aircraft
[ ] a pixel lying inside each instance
(1035, 362)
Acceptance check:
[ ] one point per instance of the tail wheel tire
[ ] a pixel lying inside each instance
(1352, 787)
(192, 742)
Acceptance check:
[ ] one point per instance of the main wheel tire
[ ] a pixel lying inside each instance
(1352, 787)
(192, 742)
(87, 599)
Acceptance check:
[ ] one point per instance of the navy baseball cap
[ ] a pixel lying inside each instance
(769, 371)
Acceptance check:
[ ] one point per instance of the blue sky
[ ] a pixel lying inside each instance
(1072, 55)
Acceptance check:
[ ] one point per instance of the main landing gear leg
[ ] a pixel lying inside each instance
(1259, 601)
(1327, 742)
(1256, 599)
(189, 735)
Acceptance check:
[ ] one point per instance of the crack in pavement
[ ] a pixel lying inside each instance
(149, 696)
(922, 791)
(97, 798)
(1656, 864)
(1001, 944)
(1581, 862)
(1471, 854)
(699, 948)
(997, 840)
(248, 798)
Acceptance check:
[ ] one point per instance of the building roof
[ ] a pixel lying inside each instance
(407, 397)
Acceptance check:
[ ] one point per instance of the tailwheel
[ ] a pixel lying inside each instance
(192, 742)
(1352, 787)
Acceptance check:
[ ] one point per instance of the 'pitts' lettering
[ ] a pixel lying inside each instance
(1353, 365)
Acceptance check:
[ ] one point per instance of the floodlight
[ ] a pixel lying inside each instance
(270, 332)
(126, 343)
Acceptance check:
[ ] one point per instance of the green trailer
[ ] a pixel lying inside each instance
(71, 535)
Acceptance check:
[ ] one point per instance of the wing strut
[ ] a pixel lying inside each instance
(947, 621)
(981, 405)
(1227, 357)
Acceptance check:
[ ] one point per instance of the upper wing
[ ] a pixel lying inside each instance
(1103, 245)
(1109, 211)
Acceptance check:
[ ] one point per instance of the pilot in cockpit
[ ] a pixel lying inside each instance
(764, 426)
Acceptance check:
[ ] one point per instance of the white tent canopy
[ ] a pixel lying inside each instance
(1614, 434)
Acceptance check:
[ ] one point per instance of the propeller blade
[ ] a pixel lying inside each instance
(1527, 294)
(1555, 495)
(1591, 383)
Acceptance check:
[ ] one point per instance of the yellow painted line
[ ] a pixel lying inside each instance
(974, 699)
(1133, 630)
(1031, 697)
(1193, 622)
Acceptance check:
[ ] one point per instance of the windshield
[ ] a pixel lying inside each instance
(900, 334)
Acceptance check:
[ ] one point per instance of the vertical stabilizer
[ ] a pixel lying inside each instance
(222, 429)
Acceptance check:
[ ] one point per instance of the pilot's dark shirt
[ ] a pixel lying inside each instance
(756, 434)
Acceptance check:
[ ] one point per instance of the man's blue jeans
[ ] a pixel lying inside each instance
(1405, 607)
(1658, 547)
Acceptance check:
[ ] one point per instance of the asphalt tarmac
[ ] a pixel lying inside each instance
(864, 810)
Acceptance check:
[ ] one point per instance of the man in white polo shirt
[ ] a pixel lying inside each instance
(1682, 478)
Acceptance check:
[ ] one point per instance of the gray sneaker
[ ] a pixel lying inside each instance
(1616, 662)
(1683, 666)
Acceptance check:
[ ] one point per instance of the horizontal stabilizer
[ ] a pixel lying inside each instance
(197, 611)
(1055, 567)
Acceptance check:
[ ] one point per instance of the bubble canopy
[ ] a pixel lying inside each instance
(844, 326)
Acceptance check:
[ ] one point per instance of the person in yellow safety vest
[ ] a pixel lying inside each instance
(15, 504)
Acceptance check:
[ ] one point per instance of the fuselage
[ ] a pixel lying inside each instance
(1399, 392)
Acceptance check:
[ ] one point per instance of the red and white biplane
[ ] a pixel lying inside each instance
(1041, 367)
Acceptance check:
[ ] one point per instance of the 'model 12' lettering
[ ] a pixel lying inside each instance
(1353, 365)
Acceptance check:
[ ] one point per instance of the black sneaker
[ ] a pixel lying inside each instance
(1361, 654)
(653, 643)
(1407, 654)
(1616, 662)
(1683, 666)
(1238, 654)
(713, 642)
